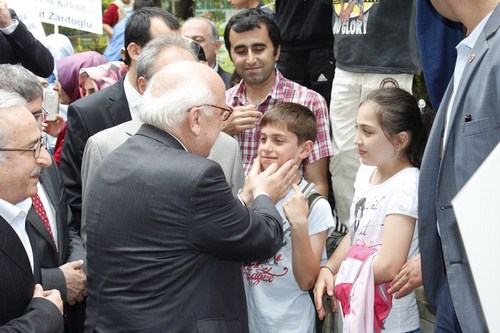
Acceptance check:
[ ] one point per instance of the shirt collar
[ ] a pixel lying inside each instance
(471, 40)
(133, 97)
(9, 211)
(240, 98)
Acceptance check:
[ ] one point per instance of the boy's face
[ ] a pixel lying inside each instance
(278, 145)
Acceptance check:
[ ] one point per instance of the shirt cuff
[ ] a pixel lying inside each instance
(10, 29)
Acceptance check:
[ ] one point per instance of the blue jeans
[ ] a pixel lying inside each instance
(446, 318)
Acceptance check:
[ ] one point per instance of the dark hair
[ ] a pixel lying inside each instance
(138, 26)
(397, 112)
(139, 4)
(249, 19)
(296, 118)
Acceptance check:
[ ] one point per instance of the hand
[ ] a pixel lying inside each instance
(408, 278)
(5, 18)
(51, 295)
(272, 181)
(76, 281)
(296, 209)
(242, 118)
(324, 282)
(54, 127)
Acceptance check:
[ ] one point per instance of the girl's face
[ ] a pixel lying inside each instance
(374, 147)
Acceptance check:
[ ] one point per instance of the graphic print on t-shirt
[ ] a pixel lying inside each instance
(351, 16)
(367, 228)
(277, 266)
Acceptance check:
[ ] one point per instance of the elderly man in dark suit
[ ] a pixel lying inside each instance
(59, 249)
(111, 106)
(23, 307)
(166, 237)
(18, 45)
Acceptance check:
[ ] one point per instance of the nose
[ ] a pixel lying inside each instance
(44, 160)
(250, 57)
(357, 139)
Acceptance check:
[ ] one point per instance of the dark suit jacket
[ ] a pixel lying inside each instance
(22, 47)
(468, 144)
(70, 246)
(19, 312)
(166, 239)
(86, 117)
(226, 77)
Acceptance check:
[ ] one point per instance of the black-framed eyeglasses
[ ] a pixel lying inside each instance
(41, 116)
(225, 112)
(37, 149)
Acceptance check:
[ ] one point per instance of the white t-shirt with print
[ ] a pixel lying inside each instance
(370, 205)
(274, 299)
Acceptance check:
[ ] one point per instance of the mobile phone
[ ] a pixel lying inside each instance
(51, 104)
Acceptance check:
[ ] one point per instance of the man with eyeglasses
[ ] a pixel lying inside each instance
(59, 250)
(166, 237)
(24, 307)
(154, 56)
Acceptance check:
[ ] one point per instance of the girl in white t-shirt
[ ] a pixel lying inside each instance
(391, 137)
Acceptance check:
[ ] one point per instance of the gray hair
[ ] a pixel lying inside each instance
(15, 78)
(166, 108)
(214, 33)
(146, 62)
(8, 100)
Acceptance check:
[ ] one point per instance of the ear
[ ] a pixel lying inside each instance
(194, 121)
(142, 83)
(217, 46)
(306, 150)
(401, 141)
(277, 54)
(133, 50)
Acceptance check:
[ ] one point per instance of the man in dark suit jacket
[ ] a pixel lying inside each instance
(204, 32)
(18, 45)
(166, 237)
(111, 106)
(465, 131)
(22, 159)
(61, 264)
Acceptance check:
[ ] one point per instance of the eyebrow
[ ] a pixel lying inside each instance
(239, 46)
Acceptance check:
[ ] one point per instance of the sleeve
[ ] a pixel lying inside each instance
(92, 158)
(323, 146)
(321, 218)
(41, 316)
(32, 54)
(220, 222)
(110, 15)
(237, 177)
(71, 161)
(404, 200)
(53, 278)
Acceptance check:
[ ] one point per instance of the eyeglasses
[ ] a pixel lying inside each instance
(41, 116)
(37, 149)
(226, 112)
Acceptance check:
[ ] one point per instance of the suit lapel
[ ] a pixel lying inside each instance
(11, 245)
(118, 109)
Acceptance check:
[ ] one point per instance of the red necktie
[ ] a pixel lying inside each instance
(40, 210)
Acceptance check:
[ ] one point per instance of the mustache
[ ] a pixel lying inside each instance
(37, 171)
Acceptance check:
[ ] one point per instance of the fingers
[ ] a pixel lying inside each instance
(76, 264)
(38, 292)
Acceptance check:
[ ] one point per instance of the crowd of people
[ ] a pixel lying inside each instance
(160, 193)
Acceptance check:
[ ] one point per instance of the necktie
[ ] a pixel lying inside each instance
(40, 210)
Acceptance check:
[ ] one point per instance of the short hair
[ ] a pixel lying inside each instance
(146, 62)
(214, 33)
(138, 26)
(166, 108)
(296, 118)
(249, 19)
(15, 78)
(8, 101)
(139, 4)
